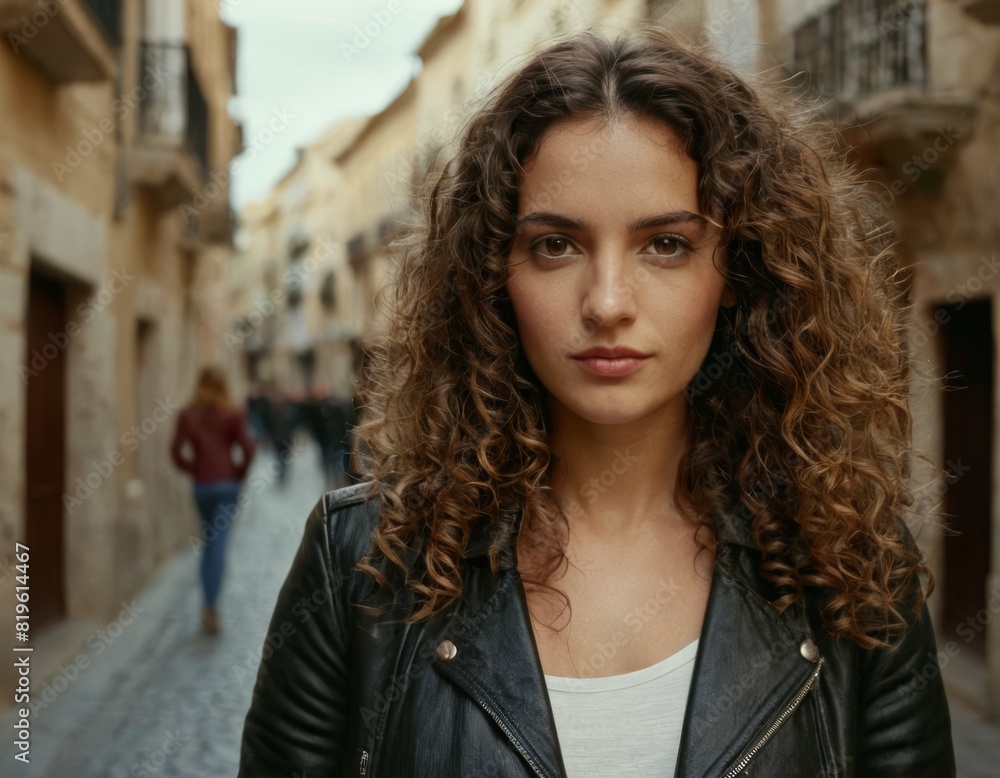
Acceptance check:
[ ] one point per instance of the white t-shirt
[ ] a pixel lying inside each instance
(627, 724)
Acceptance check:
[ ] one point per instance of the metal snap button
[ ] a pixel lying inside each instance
(809, 650)
(446, 651)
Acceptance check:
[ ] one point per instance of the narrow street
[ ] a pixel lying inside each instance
(163, 699)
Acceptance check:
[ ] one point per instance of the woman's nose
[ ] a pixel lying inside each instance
(610, 295)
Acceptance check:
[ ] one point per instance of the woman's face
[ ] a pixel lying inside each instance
(612, 251)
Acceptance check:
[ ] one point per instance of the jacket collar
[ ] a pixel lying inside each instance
(747, 666)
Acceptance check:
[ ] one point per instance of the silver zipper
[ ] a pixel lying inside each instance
(385, 715)
(810, 682)
(513, 740)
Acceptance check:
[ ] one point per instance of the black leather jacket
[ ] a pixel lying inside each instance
(341, 693)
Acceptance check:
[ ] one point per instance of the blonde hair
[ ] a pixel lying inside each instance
(212, 389)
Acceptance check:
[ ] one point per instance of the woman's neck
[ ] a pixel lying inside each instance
(617, 479)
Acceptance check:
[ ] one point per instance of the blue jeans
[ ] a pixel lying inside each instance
(217, 506)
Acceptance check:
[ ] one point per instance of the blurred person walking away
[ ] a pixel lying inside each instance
(269, 407)
(212, 423)
(283, 418)
(328, 419)
(257, 403)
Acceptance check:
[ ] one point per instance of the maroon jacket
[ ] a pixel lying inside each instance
(212, 432)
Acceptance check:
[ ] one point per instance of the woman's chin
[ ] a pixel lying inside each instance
(610, 415)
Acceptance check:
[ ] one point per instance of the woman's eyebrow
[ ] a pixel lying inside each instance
(667, 219)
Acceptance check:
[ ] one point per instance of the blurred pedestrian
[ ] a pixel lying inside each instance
(327, 419)
(211, 423)
(283, 418)
(257, 403)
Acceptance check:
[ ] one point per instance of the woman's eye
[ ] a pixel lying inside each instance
(556, 246)
(672, 246)
(552, 246)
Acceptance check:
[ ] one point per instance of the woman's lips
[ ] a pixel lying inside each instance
(615, 366)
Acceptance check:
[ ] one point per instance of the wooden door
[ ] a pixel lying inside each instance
(45, 443)
(968, 448)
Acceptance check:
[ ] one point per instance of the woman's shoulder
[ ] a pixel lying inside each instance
(343, 521)
(346, 496)
(186, 415)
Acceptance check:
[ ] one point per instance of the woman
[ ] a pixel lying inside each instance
(639, 444)
(212, 424)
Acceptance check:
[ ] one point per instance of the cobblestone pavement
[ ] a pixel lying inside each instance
(976, 735)
(163, 699)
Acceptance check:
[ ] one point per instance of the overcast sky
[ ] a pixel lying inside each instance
(292, 64)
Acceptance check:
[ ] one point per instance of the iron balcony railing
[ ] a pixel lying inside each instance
(174, 108)
(108, 14)
(858, 48)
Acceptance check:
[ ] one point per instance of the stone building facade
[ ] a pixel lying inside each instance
(295, 321)
(115, 235)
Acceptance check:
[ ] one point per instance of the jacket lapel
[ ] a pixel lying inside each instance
(497, 664)
(747, 665)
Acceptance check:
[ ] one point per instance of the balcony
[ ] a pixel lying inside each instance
(170, 152)
(218, 222)
(859, 49)
(986, 11)
(68, 40)
(866, 61)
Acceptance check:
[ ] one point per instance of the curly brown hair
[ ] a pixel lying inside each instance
(800, 420)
